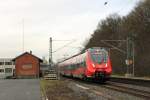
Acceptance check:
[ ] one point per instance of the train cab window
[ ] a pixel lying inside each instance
(105, 58)
(99, 57)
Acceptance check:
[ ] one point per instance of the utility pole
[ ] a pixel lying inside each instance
(130, 53)
(50, 48)
(130, 61)
(22, 35)
(133, 57)
(127, 60)
(50, 52)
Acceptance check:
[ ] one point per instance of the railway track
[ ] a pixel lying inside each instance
(136, 92)
(134, 81)
(117, 86)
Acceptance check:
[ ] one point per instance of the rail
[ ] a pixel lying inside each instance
(136, 92)
(134, 81)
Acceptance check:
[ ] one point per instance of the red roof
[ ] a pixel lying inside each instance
(29, 54)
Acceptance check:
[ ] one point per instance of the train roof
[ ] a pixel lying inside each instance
(84, 52)
(98, 48)
(70, 57)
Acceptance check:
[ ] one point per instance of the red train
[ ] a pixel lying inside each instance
(94, 63)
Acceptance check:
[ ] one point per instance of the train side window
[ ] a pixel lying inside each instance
(73, 67)
(84, 63)
(78, 65)
(65, 68)
(69, 67)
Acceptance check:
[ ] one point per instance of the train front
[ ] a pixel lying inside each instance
(100, 64)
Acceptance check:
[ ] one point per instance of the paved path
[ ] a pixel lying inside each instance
(20, 89)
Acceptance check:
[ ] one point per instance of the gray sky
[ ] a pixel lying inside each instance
(60, 19)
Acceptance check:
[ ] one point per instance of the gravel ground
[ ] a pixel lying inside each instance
(117, 95)
(67, 89)
(98, 92)
(59, 90)
(79, 91)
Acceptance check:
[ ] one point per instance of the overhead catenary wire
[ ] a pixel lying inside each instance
(64, 46)
(61, 40)
(106, 42)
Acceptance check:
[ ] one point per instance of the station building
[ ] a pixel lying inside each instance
(7, 68)
(27, 65)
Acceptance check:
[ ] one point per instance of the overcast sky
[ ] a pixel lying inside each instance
(60, 19)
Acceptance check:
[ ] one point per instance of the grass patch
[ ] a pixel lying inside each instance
(58, 90)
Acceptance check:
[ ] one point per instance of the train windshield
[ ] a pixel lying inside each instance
(99, 56)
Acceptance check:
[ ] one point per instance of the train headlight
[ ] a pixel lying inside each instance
(106, 65)
(93, 65)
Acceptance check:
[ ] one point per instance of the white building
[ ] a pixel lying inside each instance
(7, 67)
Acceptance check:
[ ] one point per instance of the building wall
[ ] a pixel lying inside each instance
(27, 66)
(43, 69)
(7, 68)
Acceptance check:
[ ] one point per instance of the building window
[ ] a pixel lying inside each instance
(1, 70)
(27, 66)
(8, 70)
(13, 63)
(8, 63)
(1, 63)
